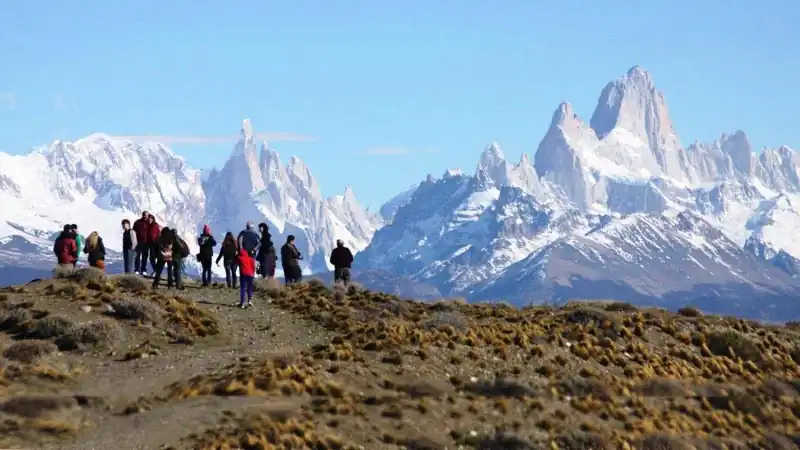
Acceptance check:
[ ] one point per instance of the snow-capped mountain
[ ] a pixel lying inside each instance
(94, 182)
(613, 208)
(254, 185)
(97, 181)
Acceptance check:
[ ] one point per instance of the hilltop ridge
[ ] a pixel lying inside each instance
(87, 356)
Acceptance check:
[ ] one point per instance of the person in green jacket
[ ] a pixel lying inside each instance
(78, 240)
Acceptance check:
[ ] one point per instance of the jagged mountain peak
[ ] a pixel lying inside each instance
(563, 116)
(349, 195)
(638, 75)
(247, 129)
(633, 103)
(451, 173)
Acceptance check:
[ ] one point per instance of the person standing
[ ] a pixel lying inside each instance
(78, 242)
(168, 256)
(66, 249)
(249, 240)
(153, 234)
(266, 252)
(96, 251)
(247, 272)
(140, 228)
(129, 247)
(290, 257)
(228, 253)
(206, 256)
(342, 260)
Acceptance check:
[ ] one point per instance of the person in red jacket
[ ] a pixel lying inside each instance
(142, 249)
(66, 248)
(247, 272)
(153, 232)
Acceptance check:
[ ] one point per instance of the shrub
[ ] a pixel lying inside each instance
(85, 275)
(98, 333)
(269, 286)
(354, 288)
(29, 351)
(51, 326)
(444, 318)
(14, 319)
(690, 311)
(136, 309)
(36, 406)
(131, 283)
(722, 343)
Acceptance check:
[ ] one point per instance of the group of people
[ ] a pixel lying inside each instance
(69, 245)
(249, 254)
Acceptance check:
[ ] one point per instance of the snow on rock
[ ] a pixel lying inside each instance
(98, 180)
(618, 201)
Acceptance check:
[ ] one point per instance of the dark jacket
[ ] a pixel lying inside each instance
(341, 258)
(207, 244)
(229, 251)
(265, 246)
(290, 255)
(65, 248)
(96, 254)
(249, 241)
(141, 228)
(129, 239)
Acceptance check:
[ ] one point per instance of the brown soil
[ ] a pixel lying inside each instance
(95, 362)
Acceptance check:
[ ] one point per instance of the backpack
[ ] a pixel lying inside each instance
(184, 248)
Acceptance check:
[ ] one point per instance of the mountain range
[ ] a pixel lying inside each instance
(616, 207)
(99, 180)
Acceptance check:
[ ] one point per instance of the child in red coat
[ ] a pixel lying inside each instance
(247, 272)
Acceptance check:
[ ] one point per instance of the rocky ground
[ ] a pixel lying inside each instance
(96, 362)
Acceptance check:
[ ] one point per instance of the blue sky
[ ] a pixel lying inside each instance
(443, 75)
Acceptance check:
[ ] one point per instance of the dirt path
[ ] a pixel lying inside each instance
(243, 335)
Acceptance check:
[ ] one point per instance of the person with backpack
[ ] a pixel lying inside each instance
(249, 240)
(206, 256)
(171, 250)
(266, 252)
(142, 247)
(153, 234)
(65, 248)
(96, 251)
(342, 260)
(290, 256)
(247, 272)
(228, 253)
(129, 247)
(78, 242)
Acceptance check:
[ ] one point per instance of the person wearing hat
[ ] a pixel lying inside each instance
(342, 261)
